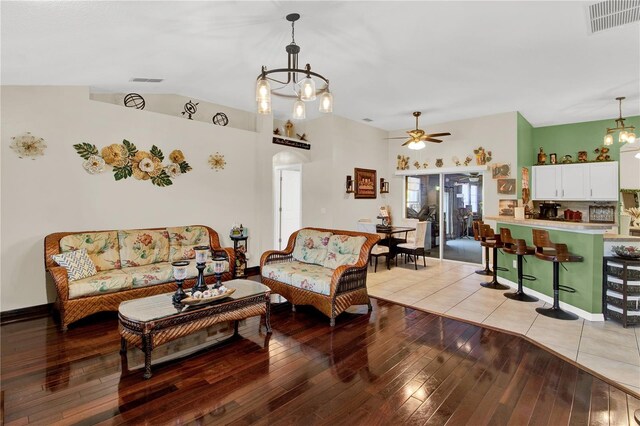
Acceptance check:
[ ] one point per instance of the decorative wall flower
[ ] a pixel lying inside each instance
(94, 165)
(217, 161)
(115, 155)
(127, 161)
(173, 170)
(176, 156)
(27, 145)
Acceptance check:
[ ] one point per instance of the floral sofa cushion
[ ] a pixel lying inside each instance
(143, 247)
(311, 246)
(343, 250)
(183, 239)
(302, 275)
(146, 275)
(102, 248)
(102, 282)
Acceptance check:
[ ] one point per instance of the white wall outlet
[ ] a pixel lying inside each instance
(515, 264)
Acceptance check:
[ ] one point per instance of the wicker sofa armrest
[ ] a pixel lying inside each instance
(61, 280)
(348, 277)
(275, 256)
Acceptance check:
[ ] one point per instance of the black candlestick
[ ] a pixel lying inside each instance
(200, 284)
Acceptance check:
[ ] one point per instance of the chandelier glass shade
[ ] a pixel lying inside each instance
(626, 134)
(292, 82)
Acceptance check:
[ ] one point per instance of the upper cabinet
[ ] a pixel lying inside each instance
(585, 181)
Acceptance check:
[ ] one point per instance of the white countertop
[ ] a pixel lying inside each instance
(582, 227)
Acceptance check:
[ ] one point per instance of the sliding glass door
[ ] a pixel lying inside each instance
(449, 203)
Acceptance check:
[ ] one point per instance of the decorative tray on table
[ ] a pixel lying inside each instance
(193, 301)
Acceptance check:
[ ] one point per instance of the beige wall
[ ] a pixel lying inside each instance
(496, 133)
(54, 193)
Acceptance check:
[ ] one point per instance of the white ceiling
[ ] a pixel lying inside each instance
(451, 60)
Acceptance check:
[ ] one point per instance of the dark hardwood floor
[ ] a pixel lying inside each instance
(397, 365)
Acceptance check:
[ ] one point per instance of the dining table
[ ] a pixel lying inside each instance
(390, 241)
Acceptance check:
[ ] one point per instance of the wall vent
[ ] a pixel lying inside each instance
(612, 13)
(152, 80)
(367, 120)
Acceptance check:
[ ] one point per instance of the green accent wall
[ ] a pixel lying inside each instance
(571, 138)
(524, 150)
(585, 277)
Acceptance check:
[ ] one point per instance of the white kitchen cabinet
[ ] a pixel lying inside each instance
(574, 182)
(545, 183)
(603, 180)
(585, 181)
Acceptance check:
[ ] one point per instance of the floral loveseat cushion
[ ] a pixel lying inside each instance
(343, 250)
(143, 247)
(311, 246)
(306, 276)
(102, 247)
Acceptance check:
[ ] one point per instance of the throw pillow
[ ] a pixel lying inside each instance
(77, 263)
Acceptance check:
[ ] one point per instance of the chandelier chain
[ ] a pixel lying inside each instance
(293, 32)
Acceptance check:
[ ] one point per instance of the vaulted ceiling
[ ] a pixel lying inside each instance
(451, 60)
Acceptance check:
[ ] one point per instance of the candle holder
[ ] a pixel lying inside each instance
(218, 268)
(179, 274)
(201, 260)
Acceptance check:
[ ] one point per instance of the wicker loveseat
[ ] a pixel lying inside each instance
(130, 264)
(325, 268)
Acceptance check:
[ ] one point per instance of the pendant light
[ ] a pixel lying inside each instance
(626, 133)
(299, 112)
(326, 102)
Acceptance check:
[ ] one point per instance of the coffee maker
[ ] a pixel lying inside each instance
(549, 210)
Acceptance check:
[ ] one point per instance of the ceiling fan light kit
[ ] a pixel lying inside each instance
(626, 133)
(290, 85)
(417, 136)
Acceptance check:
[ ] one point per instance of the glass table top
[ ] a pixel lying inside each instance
(160, 306)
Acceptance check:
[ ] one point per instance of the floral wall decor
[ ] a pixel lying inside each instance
(482, 156)
(27, 145)
(217, 161)
(125, 160)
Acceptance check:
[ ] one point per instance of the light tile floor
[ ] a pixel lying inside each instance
(453, 289)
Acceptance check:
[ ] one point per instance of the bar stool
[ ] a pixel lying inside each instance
(520, 249)
(558, 254)
(475, 226)
(490, 240)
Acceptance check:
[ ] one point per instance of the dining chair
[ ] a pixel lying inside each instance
(377, 250)
(417, 248)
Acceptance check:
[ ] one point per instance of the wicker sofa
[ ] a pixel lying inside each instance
(325, 268)
(130, 264)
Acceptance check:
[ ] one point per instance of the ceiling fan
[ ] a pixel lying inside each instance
(417, 136)
(472, 177)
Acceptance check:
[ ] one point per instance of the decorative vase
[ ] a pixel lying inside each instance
(542, 157)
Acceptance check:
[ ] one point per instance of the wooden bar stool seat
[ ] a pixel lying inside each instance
(520, 249)
(490, 240)
(475, 226)
(557, 253)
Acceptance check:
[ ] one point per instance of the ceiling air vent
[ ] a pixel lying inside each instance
(612, 13)
(152, 80)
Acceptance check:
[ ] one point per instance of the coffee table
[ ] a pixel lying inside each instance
(151, 321)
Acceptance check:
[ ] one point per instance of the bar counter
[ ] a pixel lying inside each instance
(583, 239)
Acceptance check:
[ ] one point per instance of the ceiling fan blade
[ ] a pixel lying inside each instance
(438, 134)
(432, 140)
(408, 141)
(401, 137)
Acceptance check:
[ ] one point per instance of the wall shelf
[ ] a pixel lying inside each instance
(438, 170)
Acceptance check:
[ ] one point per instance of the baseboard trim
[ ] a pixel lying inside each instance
(24, 314)
(569, 308)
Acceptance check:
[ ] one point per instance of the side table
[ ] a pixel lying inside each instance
(240, 248)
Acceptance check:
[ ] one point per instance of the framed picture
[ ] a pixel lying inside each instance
(506, 207)
(365, 183)
(500, 171)
(507, 186)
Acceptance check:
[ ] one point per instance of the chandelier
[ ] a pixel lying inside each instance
(626, 132)
(292, 82)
